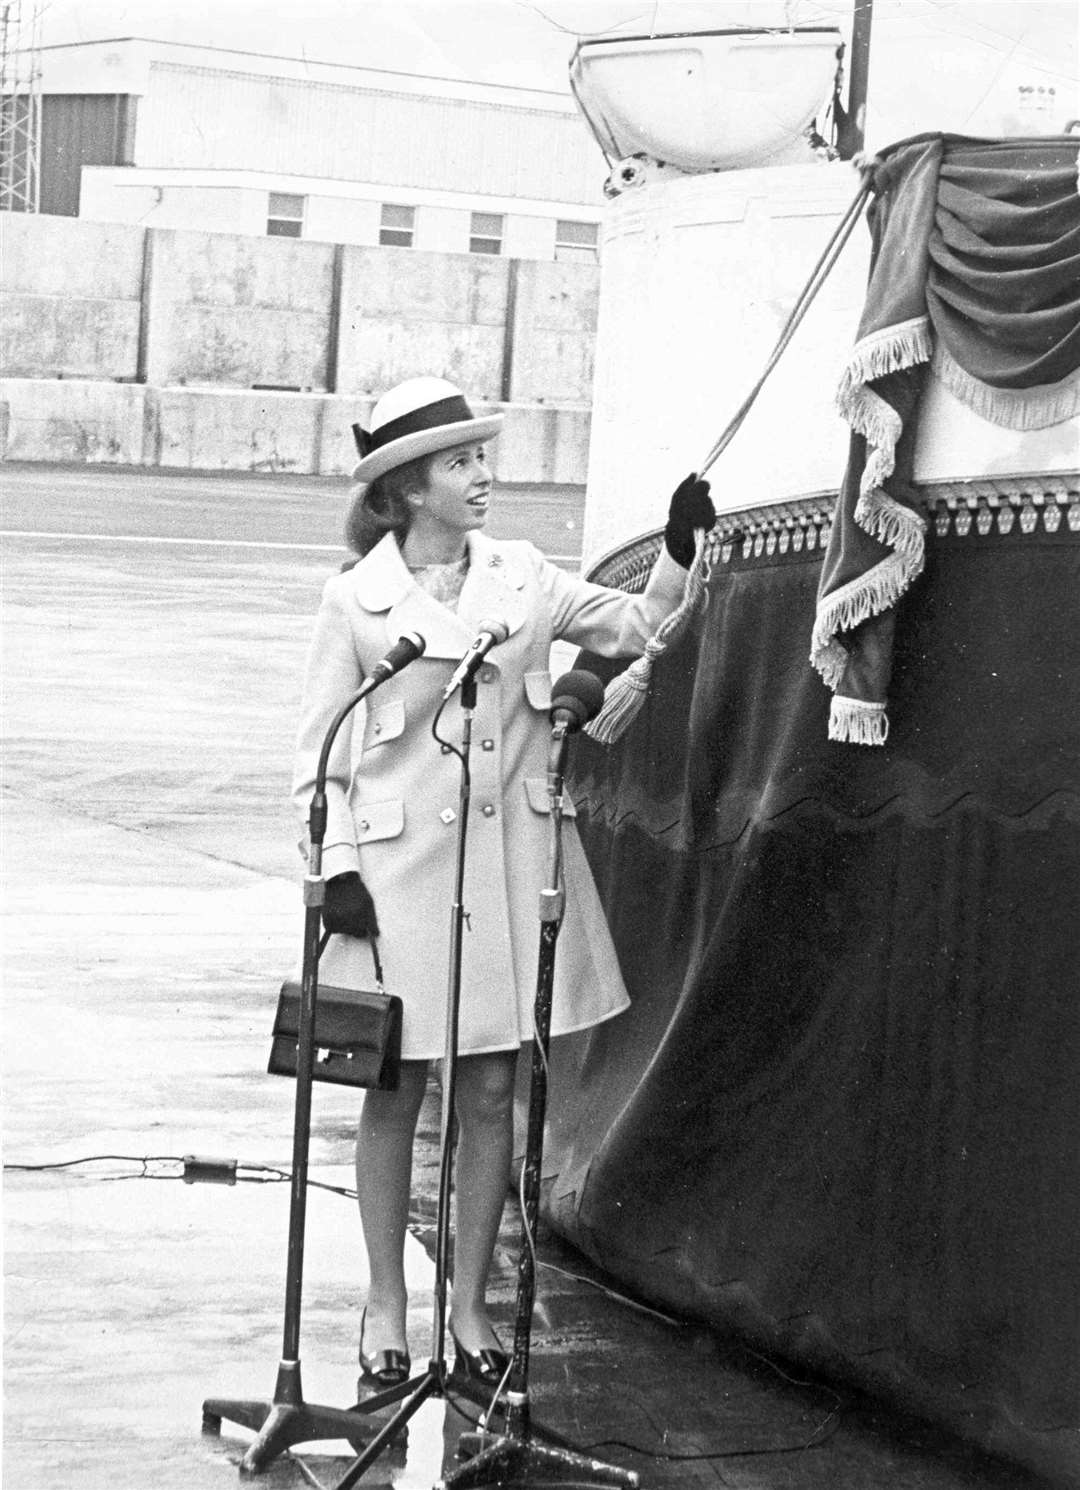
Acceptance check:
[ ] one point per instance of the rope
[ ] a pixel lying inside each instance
(625, 694)
(807, 295)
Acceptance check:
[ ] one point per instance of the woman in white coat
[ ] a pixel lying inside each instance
(416, 518)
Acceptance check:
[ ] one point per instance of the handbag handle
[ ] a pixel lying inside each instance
(374, 957)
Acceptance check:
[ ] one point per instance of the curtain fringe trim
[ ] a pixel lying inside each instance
(830, 660)
(1009, 408)
(870, 416)
(876, 512)
(873, 592)
(890, 522)
(852, 721)
(889, 350)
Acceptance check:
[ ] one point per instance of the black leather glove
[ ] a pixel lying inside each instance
(691, 507)
(349, 908)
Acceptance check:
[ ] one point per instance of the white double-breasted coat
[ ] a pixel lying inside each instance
(394, 794)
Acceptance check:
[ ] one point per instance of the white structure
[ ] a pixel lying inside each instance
(713, 101)
(243, 143)
(701, 269)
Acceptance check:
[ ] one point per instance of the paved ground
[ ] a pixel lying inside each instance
(153, 638)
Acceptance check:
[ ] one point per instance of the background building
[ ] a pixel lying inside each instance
(224, 238)
(164, 134)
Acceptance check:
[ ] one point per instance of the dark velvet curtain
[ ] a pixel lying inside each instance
(842, 1114)
(975, 263)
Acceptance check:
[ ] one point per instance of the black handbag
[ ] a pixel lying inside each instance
(357, 1034)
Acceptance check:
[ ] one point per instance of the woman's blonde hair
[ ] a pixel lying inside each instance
(383, 505)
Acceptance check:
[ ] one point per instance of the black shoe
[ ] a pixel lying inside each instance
(386, 1368)
(486, 1366)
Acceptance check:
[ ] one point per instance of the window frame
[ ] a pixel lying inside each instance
(286, 221)
(567, 251)
(397, 235)
(479, 236)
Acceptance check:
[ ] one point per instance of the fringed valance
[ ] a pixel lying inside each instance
(975, 275)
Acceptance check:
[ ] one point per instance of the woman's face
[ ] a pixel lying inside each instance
(457, 494)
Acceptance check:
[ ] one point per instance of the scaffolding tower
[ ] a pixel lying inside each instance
(20, 105)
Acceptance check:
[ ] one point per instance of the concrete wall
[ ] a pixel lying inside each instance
(555, 310)
(206, 350)
(72, 297)
(238, 312)
(405, 313)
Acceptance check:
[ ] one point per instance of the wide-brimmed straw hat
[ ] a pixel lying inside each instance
(417, 418)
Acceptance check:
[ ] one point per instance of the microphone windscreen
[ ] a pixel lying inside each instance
(416, 644)
(580, 693)
(406, 649)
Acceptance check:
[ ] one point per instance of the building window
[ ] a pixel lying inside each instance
(486, 233)
(396, 226)
(285, 216)
(576, 241)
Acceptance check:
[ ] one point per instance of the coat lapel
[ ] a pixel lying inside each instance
(494, 586)
(493, 591)
(384, 584)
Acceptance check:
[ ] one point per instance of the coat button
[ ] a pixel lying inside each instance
(448, 815)
(445, 749)
(487, 744)
(488, 809)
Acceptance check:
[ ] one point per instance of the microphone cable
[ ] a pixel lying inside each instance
(194, 1169)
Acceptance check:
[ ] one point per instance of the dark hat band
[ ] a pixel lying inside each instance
(445, 411)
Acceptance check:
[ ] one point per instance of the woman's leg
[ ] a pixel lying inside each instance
(384, 1148)
(485, 1108)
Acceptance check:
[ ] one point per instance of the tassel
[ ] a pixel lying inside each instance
(625, 694)
(855, 722)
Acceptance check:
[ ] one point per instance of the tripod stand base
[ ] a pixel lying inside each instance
(279, 1426)
(514, 1463)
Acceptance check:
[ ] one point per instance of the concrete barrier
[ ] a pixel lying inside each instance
(337, 446)
(233, 429)
(225, 429)
(545, 444)
(62, 420)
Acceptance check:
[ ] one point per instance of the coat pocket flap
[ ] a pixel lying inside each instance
(384, 722)
(537, 793)
(375, 820)
(538, 689)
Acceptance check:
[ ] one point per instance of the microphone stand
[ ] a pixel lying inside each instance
(516, 1458)
(288, 1419)
(433, 1381)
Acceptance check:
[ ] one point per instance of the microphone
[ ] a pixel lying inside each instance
(576, 698)
(406, 649)
(491, 633)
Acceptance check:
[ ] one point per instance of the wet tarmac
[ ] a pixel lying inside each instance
(153, 639)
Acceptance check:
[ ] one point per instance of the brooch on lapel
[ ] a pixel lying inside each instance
(495, 561)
